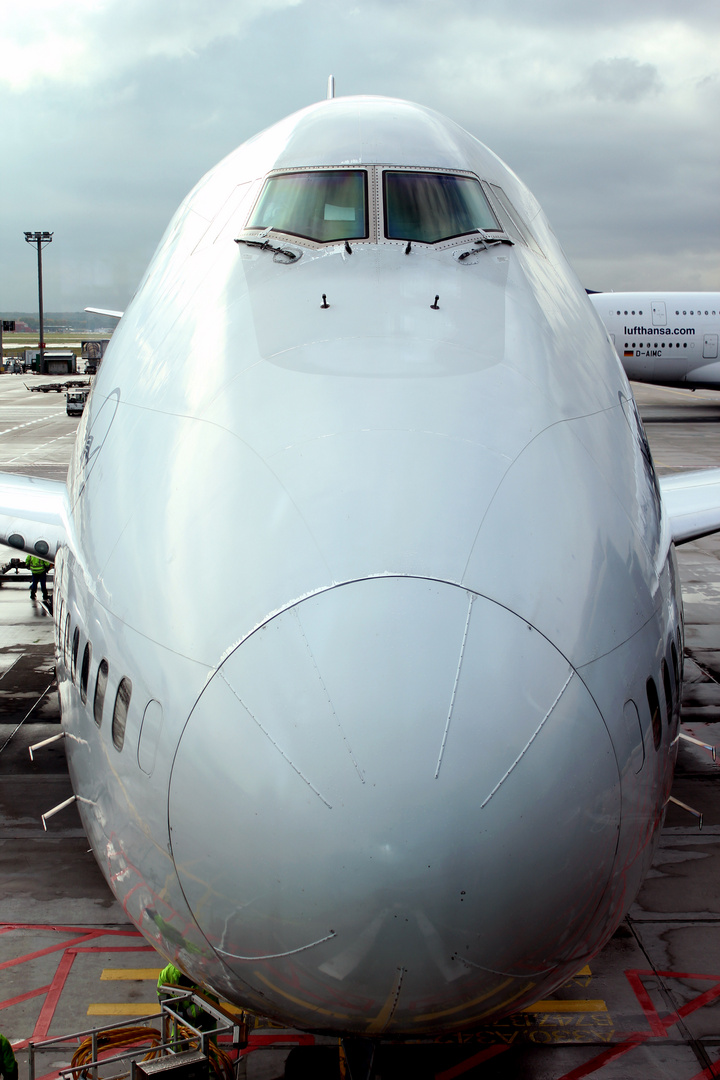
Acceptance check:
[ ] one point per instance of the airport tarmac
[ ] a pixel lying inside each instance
(646, 1008)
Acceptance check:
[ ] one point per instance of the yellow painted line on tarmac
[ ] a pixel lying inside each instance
(583, 971)
(581, 1006)
(138, 1009)
(131, 973)
(115, 1008)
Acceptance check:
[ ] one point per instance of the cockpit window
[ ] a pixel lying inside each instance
(514, 224)
(429, 207)
(321, 206)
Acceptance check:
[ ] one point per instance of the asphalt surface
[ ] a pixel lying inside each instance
(646, 1008)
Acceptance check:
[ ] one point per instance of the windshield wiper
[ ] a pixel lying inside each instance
(486, 241)
(265, 245)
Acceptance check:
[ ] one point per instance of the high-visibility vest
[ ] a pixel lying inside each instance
(172, 976)
(8, 1063)
(37, 566)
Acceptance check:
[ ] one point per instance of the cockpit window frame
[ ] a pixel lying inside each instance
(451, 240)
(514, 225)
(308, 241)
(507, 226)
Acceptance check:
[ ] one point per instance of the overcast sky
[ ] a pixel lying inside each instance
(112, 110)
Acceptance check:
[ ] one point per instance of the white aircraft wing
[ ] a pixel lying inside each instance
(692, 503)
(106, 311)
(33, 514)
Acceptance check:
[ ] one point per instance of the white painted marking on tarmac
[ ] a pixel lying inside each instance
(16, 729)
(39, 420)
(688, 395)
(38, 448)
(701, 594)
(15, 661)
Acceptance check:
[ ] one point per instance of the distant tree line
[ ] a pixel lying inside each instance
(61, 320)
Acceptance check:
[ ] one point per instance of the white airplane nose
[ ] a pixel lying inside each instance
(375, 794)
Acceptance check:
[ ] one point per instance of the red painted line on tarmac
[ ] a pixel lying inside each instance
(708, 1074)
(471, 1062)
(50, 948)
(696, 1003)
(254, 1041)
(597, 1062)
(82, 937)
(44, 1020)
(115, 948)
(68, 929)
(56, 987)
(24, 997)
(58, 984)
(651, 1014)
(682, 975)
(659, 1025)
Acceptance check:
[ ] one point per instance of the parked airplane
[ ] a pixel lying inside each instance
(399, 764)
(665, 337)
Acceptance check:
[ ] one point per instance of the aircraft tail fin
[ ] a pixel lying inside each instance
(692, 503)
(33, 514)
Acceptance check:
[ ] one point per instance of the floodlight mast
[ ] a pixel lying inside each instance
(41, 239)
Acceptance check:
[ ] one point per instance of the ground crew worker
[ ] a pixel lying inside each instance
(38, 569)
(194, 1014)
(8, 1064)
(173, 976)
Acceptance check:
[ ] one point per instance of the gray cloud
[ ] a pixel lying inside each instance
(630, 187)
(622, 79)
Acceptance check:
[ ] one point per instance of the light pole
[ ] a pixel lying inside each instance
(41, 239)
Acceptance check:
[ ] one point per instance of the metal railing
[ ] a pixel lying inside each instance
(173, 1041)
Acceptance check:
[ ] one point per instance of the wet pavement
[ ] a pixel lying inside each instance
(646, 1008)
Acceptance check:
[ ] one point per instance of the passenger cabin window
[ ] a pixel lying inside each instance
(654, 706)
(321, 206)
(667, 687)
(429, 207)
(75, 648)
(66, 642)
(120, 712)
(100, 688)
(85, 672)
(676, 668)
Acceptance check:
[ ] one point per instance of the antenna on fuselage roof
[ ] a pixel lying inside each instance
(331, 87)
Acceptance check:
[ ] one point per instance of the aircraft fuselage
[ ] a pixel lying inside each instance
(397, 761)
(668, 338)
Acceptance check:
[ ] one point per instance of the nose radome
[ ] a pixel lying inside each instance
(394, 786)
